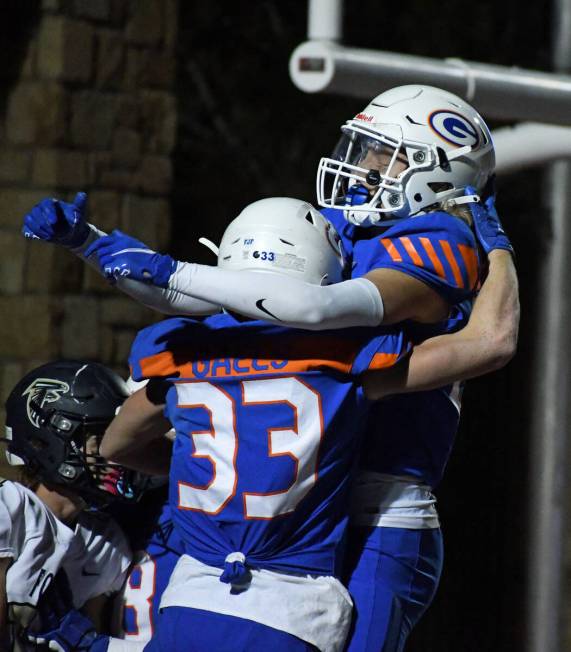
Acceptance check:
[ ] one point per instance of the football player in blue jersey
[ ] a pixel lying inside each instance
(267, 424)
(231, 384)
(409, 155)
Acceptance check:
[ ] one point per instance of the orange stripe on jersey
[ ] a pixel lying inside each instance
(391, 250)
(411, 251)
(269, 355)
(163, 364)
(447, 249)
(471, 261)
(158, 365)
(425, 242)
(383, 360)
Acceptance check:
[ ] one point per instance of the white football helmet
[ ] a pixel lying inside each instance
(283, 235)
(411, 148)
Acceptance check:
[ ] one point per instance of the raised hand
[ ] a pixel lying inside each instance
(120, 255)
(487, 224)
(57, 221)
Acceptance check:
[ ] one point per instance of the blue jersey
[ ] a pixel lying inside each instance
(413, 434)
(267, 424)
(158, 549)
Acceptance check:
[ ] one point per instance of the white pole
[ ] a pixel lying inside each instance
(530, 144)
(324, 20)
(549, 492)
(497, 91)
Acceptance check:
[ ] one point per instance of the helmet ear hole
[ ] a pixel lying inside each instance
(443, 159)
(309, 217)
(440, 186)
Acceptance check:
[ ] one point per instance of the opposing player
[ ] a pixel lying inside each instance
(56, 554)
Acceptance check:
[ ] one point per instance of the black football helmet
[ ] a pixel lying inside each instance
(55, 419)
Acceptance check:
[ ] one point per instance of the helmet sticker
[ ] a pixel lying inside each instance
(364, 117)
(454, 128)
(41, 391)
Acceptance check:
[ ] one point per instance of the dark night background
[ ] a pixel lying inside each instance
(245, 132)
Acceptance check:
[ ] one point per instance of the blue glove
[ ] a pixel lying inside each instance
(120, 255)
(489, 231)
(74, 633)
(56, 221)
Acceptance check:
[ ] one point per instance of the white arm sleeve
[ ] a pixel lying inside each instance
(165, 301)
(282, 299)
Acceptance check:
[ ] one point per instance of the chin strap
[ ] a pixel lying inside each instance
(466, 199)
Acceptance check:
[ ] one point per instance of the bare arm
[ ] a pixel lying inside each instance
(136, 436)
(405, 297)
(487, 343)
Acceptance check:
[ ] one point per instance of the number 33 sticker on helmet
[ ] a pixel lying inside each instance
(454, 128)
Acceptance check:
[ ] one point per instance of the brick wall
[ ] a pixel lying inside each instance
(91, 108)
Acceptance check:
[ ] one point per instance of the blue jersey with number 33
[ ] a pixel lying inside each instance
(268, 424)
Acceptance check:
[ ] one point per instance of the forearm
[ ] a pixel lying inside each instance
(494, 322)
(152, 458)
(165, 301)
(135, 438)
(487, 343)
(282, 299)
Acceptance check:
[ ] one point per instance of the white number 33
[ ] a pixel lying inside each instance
(219, 444)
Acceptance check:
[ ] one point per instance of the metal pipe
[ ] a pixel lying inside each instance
(497, 91)
(530, 144)
(324, 20)
(551, 400)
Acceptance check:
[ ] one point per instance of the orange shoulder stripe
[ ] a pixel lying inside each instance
(471, 261)
(391, 250)
(447, 249)
(383, 360)
(433, 257)
(411, 251)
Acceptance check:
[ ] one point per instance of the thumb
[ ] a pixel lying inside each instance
(80, 201)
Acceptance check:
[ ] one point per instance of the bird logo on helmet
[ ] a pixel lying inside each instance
(40, 392)
(55, 419)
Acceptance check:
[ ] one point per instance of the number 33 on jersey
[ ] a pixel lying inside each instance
(268, 424)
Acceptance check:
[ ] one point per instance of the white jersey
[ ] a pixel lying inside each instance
(99, 558)
(95, 555)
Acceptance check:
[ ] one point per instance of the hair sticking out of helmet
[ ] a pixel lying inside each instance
(411, 149)
(55, 419)
(285, 236)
